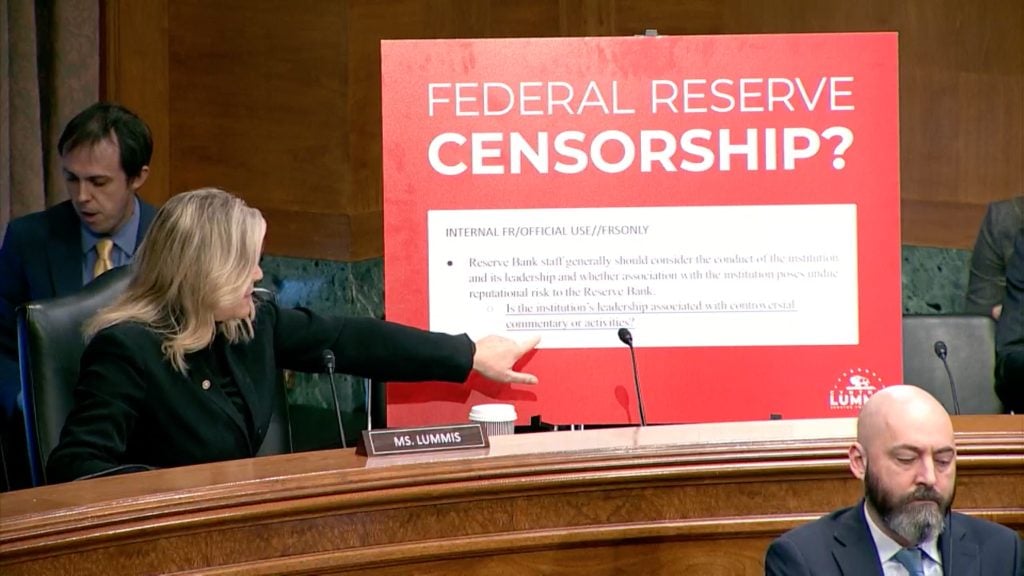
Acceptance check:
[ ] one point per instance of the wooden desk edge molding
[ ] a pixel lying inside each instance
(702, 497)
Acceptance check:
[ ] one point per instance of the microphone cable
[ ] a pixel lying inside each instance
(948, 571)
(328, 358)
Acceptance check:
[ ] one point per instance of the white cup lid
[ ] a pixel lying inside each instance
(493, 413)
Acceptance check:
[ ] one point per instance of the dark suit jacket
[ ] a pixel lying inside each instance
(992, 250)
(41, 257)
(132, 407)
(840, 544)
(1010, 334)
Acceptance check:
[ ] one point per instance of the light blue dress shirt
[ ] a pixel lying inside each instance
(124, 244)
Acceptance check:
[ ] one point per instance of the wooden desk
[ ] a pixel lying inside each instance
(690, 499)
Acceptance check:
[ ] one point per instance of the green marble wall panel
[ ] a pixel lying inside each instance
(934, 280)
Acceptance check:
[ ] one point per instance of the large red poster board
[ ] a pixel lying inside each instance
(732, 200)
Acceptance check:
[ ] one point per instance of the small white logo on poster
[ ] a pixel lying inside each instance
(853, 388)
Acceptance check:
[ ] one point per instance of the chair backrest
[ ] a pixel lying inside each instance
(50, 345)
(970, 342)
(279, 432)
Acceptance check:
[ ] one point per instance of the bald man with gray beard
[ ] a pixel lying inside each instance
(906, 456)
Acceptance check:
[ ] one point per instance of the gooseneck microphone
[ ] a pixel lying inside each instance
(627, 338)
(942, 351)
(328, 358)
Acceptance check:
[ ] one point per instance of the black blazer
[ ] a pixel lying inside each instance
(840, 544)
(1010, 334)
(132, 407)
(41, 257)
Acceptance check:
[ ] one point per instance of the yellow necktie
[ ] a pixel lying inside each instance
(103, 263)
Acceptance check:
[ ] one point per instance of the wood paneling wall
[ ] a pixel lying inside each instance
(280, 101)
(691, 499)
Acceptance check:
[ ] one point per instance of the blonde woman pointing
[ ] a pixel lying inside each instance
(181, 369)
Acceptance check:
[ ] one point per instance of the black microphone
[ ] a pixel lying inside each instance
(328, 358)
(941, 351)
(627, 338)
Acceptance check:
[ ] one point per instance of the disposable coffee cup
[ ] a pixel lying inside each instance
(496, 419)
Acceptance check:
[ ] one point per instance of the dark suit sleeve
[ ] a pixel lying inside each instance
(1010, 333)
(368, 347)
(998, 547)
(108, 398)
(1018, 550)
(784, 559)
(987, 281)
(13, 292)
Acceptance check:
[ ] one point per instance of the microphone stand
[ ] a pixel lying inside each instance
(328, 357)
(942, 351)
(627, 338)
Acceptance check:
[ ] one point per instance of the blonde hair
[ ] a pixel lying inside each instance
(198, 255)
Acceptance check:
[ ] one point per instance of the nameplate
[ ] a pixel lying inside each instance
(423, 439)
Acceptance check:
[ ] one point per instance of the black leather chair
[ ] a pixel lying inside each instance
(279, 432)
(50, 345)
(377, 404)
(971, 351)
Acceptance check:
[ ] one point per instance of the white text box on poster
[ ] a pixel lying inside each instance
(684, 276)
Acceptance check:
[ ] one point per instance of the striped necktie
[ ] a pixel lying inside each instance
(103, 263)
